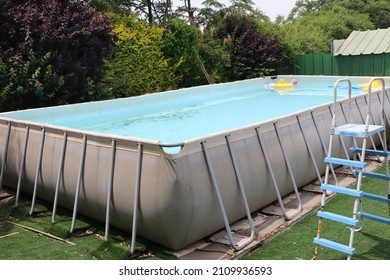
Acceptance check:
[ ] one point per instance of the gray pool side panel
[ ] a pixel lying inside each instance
(177, 201)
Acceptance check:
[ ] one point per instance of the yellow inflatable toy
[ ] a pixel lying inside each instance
(281, 85)
(376, 85)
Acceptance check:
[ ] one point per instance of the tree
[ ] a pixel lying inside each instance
(378, 11)
(154, 11)
(253, 53)
(314, 32)
(181, 47)
(52, 50)
(138, 66)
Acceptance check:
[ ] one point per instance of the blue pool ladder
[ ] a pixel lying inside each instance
(363, 131)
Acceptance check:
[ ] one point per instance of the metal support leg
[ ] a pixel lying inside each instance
(59, 176)
(136, 196)
(243, 195)
(268, 162)
(323, 147)
(218, 194)
(110, 187)
(309, 150)
(79, 182)
(38, 170)
(22, 166)
(4, 161)
(289, 168)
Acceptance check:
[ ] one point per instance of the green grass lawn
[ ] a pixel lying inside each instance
(371, 243)
(22, 244)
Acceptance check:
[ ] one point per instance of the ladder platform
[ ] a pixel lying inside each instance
(373, 175)
(338, 218)
(357, 130)
(370, 152)
(334, 245)
(346, 162)
(374, 217)
(376, 197)
(343, 190)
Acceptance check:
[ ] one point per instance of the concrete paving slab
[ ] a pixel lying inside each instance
(213, 251)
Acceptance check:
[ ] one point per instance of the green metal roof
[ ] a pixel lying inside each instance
(366, 42)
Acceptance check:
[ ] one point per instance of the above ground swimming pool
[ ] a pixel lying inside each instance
(175, 167)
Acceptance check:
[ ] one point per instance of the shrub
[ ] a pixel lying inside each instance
(52, 51)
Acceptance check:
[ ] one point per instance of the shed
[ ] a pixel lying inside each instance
(366, 43)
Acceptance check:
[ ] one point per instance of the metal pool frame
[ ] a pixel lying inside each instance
(174, 199)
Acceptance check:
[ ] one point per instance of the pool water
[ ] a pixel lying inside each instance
(188, 113)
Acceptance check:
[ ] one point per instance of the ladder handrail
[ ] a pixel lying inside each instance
(335, 99)
(369, 101)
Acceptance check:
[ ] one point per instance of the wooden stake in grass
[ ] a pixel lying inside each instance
(42, 232)
(13, 233)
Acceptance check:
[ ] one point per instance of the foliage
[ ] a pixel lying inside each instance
(181, 43)
(252, 53)
(52, 51)
(138, 66)
(376, 10)
(154, 11)
(30, 83)
(314, 32)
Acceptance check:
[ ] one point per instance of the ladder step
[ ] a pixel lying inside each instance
(338, 218)
(376, 197)
(370, 152)
(374, 217)
(373, 175)
(334, 245)
(357, 130)
(343, 190)
(346, 162)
